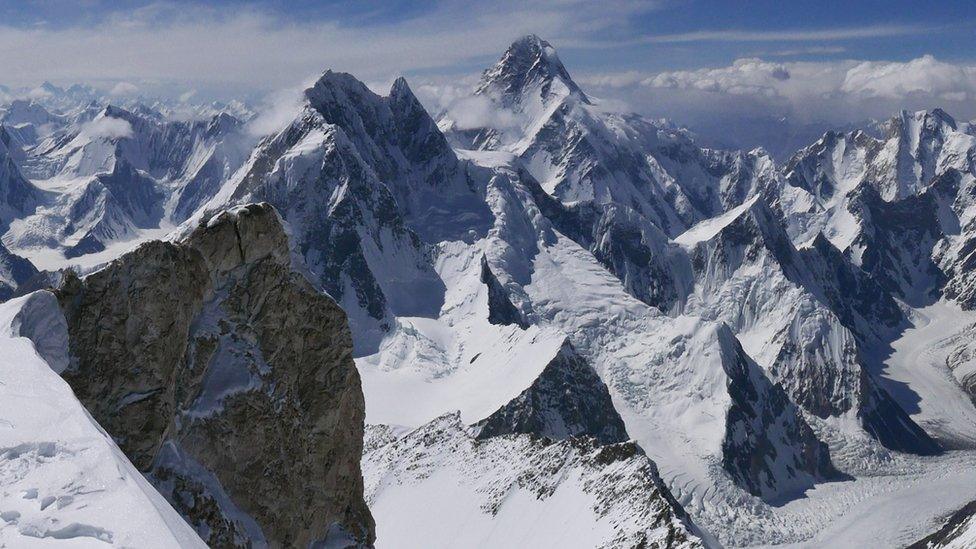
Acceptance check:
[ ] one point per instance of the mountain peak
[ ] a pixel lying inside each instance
(529, 61)
(401, 94)
(334, 88)
(912, 124)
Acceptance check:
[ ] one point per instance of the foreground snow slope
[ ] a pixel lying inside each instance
(63, 481)
(515, 491)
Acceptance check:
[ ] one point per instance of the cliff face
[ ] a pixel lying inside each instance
(225, 376)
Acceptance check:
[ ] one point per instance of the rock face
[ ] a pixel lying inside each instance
(18, 197)
(766, 433)
(229, 379)
(567, 400)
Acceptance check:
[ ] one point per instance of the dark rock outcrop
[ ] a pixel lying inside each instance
(500, 307)
(761, 419)
(229, 379)
(568, 399)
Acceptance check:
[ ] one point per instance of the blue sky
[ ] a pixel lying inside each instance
(592, 36)
(691, 60)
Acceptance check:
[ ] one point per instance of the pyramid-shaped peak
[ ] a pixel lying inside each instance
(529, 61)
(400, 87)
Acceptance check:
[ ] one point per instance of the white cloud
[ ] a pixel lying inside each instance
(480, 112)
(278, 110)
(38, 93)
(786, 105)
(758, 77)
(611, 80)
(924, 76)
(124, 88)
(107, 127)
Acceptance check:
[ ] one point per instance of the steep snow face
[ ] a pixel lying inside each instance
(887, 203)
(368, 184)
(779, 302)
(62, 478)
(653, 364)
(581, 152)
(515, 490)
(112, 176)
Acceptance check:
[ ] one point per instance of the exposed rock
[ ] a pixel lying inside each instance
(567, 400)
(756, 426)
(500, 307)
(230, 379)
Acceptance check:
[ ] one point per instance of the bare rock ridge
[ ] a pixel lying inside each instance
(567, 400)
(229, 380)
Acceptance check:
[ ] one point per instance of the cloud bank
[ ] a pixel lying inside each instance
(784, 105)
(925, 76)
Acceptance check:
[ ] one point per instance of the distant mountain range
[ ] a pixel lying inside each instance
(555, 326)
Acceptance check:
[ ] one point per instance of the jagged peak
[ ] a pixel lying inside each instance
(400, 88)
(223, 122)
(529, 60)
(25, 106)
(402, 96)
(911, 124)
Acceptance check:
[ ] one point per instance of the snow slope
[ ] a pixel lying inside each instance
(919, 375)
(514, 491)
(63, 481)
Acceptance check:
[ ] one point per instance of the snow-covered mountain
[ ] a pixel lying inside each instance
(107, 177)
(749, 355)
(516, 490)
(573, 326)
